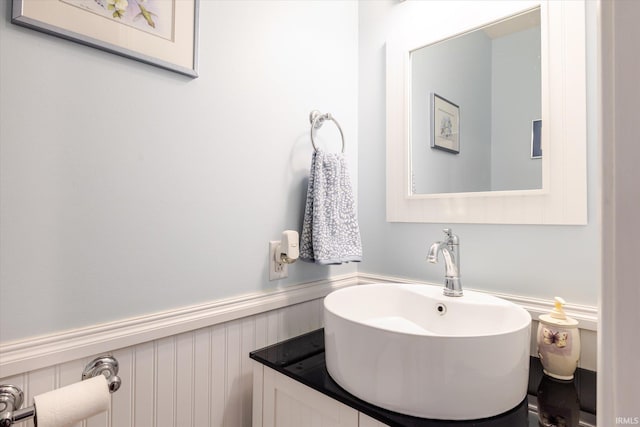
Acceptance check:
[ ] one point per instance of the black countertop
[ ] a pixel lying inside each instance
(565, 403)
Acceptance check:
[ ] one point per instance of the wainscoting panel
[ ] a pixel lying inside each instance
(196, 378)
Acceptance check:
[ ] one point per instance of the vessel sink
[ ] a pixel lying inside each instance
(410, 349)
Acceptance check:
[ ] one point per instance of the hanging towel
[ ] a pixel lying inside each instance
(330, 231)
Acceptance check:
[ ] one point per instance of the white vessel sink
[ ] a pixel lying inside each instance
(412, 350)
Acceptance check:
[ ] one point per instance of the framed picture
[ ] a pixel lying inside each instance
(445, 124)
(536, 139)
(163, 33)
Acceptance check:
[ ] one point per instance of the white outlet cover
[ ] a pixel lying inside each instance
(276, 270)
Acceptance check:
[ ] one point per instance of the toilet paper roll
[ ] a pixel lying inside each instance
(67, 405)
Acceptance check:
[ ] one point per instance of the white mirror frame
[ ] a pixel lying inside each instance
(563, 198)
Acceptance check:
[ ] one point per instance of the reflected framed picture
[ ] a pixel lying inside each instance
(163, 33)
(536, 139)
(445, 124)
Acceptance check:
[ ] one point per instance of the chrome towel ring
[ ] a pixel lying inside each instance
(317, 120)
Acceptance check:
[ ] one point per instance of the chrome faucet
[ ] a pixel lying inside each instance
(450, 249)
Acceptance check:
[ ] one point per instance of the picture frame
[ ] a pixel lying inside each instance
(445, 124)
(163, 33)
(536, 139)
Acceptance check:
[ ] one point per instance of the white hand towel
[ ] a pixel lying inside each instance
(330, 231)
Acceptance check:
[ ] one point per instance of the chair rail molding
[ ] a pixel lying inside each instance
(43, 351)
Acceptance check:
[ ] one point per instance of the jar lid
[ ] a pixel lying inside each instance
(567, 322)
(557, 316)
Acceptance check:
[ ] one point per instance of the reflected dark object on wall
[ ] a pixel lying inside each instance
(445, 124)
(536, 139)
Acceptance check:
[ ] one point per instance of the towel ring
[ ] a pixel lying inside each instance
(317, 120)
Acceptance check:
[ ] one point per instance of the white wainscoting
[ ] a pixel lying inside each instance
(191, 366)
(197, 378)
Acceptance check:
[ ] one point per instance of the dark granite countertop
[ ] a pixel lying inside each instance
(566, 403)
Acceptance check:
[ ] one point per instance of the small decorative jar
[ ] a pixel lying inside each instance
(558, 343)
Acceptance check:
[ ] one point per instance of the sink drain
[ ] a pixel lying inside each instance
(441, 309)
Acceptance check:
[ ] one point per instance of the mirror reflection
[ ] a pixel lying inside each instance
(475, 109)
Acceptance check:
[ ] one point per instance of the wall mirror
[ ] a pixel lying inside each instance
(469, 115)
(475, 101)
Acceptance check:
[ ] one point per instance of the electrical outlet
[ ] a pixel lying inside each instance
(277, 270)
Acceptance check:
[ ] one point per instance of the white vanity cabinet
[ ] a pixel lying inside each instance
(279, 401)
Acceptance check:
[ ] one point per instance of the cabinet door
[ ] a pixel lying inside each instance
(288, 403)
(367, 421)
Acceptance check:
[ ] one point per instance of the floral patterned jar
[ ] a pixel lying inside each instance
(558, 343)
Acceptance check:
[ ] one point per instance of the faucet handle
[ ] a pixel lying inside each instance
(452, 239)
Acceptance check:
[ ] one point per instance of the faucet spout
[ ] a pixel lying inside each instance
(450, 261)
(432, 257)
(450, 250)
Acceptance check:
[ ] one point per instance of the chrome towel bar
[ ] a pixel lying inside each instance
(317, 119)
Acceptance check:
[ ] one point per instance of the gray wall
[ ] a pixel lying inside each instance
(126, 189)
(515, 90)
(537, 261)
(463, 78)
